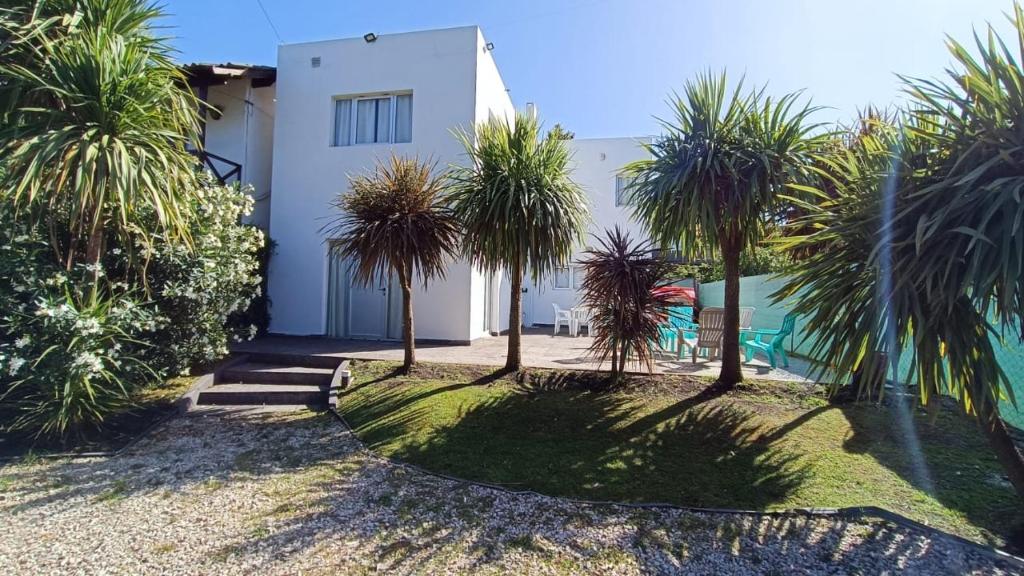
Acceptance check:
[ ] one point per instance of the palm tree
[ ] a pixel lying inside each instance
(713, 183)
(923, 242)
(518, 207)
(627, 289)
(394, 220)
(96, 120)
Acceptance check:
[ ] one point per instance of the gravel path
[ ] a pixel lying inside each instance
(243, 492)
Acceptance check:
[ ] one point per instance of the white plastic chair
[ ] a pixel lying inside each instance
(746, 317)
(581, 318)
(709, 333)
(562, 318)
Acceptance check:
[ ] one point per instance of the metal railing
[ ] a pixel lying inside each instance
(222, 168)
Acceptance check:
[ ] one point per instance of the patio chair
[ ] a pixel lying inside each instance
(746, 317)
(709, 333)
(775, 345)
(581, 318)
(562, 318)
(679, 317)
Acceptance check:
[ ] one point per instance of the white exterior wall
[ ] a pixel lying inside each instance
(596, 162)
(245, 134)
(492, 101)
(451, 82)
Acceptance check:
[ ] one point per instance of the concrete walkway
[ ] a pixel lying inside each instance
(540, 350)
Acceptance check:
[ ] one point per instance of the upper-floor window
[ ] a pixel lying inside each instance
(373, 120)
(622, 189)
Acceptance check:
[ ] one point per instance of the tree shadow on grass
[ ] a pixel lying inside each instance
(954, 463)
(594, 446)
(401, 521)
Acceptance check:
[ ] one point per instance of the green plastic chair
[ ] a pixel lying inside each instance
(775, 346)
(678, 317)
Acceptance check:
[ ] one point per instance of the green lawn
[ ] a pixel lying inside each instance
(766, 446)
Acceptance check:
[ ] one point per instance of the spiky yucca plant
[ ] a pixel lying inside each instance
(96, 120)
(624, 288)
(394, 220)
(919, 247)
(519, 209)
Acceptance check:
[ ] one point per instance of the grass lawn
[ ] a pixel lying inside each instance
(151, 404)
(765, 446)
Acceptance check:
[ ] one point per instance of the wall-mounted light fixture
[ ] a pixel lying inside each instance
(370, 37)
(489, 47)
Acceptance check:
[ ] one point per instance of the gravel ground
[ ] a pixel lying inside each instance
(274, 492)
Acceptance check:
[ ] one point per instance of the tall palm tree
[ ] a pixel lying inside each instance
(394, 220)
(96, 121)
(924, 242)
(714, 181)
(519, 209)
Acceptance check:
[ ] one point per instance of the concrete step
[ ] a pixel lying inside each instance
(287, 359)
(263, 373)
(263, 394)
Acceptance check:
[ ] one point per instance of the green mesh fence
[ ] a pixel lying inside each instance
(756, 291)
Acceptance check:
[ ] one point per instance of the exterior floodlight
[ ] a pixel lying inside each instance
(490, 46)
(371, 37)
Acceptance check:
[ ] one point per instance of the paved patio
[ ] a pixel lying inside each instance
(540, 350)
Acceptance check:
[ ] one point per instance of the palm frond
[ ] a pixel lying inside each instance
(519, 208)
(395, 217)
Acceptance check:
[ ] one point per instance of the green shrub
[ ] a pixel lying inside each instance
(198, 289)
(68, 356)
(761, 260)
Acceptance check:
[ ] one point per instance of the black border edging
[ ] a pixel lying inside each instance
(850, 512)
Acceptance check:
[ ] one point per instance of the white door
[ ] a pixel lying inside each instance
(527, 302)
(368, 308)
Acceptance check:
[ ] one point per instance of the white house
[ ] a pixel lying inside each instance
(597, 168)
(238, 126)
(343, 104)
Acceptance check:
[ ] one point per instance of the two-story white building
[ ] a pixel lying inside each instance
(343, 104)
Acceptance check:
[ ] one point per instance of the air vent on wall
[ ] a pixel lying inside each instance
(315, 61)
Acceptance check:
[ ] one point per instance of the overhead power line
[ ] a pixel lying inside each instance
(269, 21)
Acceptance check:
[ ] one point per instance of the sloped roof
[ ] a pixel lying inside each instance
(204, 73)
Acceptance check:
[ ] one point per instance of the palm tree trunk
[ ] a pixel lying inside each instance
(1009, 456)
(94, 254)
(615, 361)
(622, 358)
(514, 360)
(408, 331)
(731, 374)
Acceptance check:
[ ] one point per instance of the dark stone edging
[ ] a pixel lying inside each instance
(850, 512)
(340, 380)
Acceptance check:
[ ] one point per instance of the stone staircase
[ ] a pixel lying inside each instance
(274, 379)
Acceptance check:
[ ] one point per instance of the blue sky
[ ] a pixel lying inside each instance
(605, 67)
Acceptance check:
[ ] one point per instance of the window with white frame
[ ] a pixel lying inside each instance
(622, 189)
(567, 277)
(372, 120)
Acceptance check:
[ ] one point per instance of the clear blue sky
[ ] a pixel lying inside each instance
(605, 67)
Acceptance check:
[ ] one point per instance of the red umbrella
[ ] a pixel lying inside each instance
(685, 296)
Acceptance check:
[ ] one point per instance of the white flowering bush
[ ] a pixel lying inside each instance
(199, 290)
(68, 356)
(73, 352)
